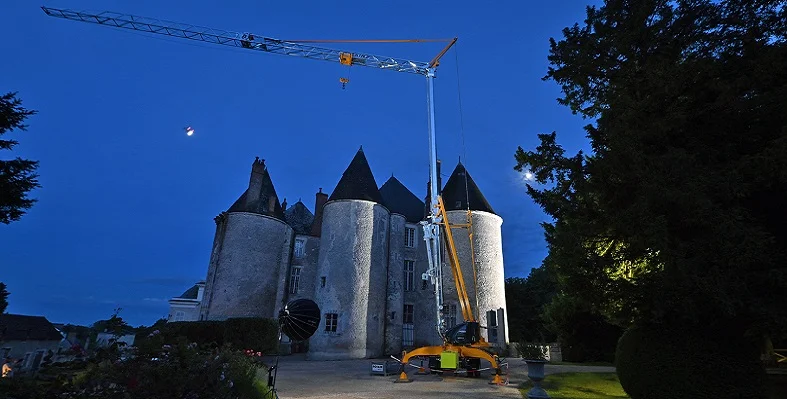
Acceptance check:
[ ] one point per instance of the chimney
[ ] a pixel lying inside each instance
(255, 182)
(319, 203)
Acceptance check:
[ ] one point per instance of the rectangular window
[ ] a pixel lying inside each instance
(331, 321)
(491, 322)
(179, 316)
(322, 281)
(409, 275)
(407, 316)
(295, 280)
(407, 326)
(449, 314)
(300, 243)
(409, 237)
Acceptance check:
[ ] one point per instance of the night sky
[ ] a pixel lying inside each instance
(125, 215)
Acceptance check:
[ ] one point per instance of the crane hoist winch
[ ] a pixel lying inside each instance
(462, 344)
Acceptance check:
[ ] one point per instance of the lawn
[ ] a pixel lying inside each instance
(579, 386)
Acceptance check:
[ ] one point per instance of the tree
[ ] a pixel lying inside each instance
(525, 301)
(676, 215)
(17, 176)
(3, 298)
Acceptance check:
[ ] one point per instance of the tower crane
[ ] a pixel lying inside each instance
(463, 342)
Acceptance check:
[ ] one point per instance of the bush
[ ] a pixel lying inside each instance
(584, 335)
(660, 361)
(261, 335)
(531, 352)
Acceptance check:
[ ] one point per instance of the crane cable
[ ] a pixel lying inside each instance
(467, 189)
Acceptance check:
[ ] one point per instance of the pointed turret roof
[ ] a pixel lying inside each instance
(357, 182)
(299, 217)
(398, 199)
(266, 202)
(456, 194)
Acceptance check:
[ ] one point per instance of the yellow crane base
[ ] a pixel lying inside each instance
(461, 351)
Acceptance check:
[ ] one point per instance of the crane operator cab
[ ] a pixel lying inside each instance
(464, 334)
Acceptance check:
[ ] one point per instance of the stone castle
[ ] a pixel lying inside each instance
(360, 256)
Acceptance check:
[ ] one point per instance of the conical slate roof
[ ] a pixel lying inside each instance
(456, 194)
(262, 202)
(299, 217)
(398, 199)
(357, 182)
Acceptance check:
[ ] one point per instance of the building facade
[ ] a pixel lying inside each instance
(360, 256)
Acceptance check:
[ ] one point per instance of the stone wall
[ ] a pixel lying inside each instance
(352, 264)
(308, 265)
(245, 275)
(489, 280)
(394, 294)
(422, 296)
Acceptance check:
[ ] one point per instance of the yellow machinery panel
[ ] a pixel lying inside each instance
(449, 360)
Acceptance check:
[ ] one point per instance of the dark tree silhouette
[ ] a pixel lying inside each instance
(3, 298)
(17, 176)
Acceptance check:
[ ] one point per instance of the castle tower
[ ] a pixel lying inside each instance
(488, 292)
(250, 255)
(352, 268)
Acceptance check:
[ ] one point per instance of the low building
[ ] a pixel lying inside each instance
(186, 307)
(30, 338)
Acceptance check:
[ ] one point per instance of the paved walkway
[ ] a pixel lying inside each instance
(299, 378)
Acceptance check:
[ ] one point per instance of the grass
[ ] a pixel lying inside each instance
(579, 386)
(605, 364)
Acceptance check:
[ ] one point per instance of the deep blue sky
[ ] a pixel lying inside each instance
(125, 214)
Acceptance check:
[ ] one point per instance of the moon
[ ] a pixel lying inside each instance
(189, 131)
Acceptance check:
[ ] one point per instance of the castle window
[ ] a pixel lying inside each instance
(408, 314)
(295, 280)
(322, 281)
(491, 322)
(449, 315)
(409, 237)
(179, 316)
(409, 275)
(331, 322)
(300, 243)
(407, 326)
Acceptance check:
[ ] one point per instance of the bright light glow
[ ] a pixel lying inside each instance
(528, 176)
(189, 131)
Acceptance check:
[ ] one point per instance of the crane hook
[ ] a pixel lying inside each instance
(344, 82)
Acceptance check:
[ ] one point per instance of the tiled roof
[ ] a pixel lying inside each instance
(299, 217)
(15, 327)
(357, 182)
(456, 194)
(398, 199)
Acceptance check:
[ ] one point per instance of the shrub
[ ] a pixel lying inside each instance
(659, 361)
(531, 352)
(252, 333)
(259, 334)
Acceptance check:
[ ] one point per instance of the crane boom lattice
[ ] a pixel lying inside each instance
(236, 39)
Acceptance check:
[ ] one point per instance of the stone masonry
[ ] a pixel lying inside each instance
(360, 257)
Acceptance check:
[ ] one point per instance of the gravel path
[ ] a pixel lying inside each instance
(351, 379)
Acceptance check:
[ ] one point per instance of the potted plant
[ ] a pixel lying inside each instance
(535, 356)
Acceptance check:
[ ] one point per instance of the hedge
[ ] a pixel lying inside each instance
(660, 361)
(258, 334)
